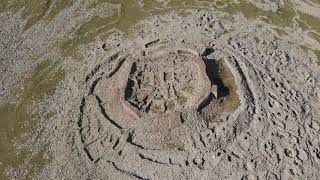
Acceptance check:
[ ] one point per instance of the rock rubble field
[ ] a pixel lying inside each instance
(199, 95)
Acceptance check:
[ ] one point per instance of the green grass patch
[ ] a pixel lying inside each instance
(283, 17)
(182, 100)
(172, 146)
(304, 26)
(57, 7)
(4, 5)
(317, 52)
(183, 4)
(188, 89)
(314, 36)
(36, 163)
(310, 21)
(86, 33)
(129, 15)
(43, 82)
(35, 10)
(16, 119)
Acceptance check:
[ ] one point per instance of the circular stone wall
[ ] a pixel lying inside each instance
(150, 103)
(195, 97)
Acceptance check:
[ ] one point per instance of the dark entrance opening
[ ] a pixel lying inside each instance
(213, 70)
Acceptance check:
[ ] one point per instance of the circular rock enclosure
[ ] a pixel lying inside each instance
(153, 95)
(186, 107)
(181, 94)
(156, 103)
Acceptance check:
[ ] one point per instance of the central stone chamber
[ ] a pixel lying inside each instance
(162, 97)
(171, 92)
(166, 84)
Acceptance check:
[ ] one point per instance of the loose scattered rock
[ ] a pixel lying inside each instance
(196, 97)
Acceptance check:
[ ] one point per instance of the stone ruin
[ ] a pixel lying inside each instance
(155, 94)
(154, 100)
(166, 84)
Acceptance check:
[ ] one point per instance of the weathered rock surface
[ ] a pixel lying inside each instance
(199, 96)
(125, 128)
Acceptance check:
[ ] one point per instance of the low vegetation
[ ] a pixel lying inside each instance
(35, 10)
(283, 17)
(182, 100)
(317, 52)
(188, 89)
(15, 119)
(230, 102)
(311, 21)
(172, 146)
(86, 33)
(314, 36)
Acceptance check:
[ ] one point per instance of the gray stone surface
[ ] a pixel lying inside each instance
(268, 136)
(99, 133)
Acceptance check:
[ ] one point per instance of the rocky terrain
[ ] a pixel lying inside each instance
(160, 90)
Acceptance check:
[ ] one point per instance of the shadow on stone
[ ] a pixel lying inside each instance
(213, 71)
(205, 102)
